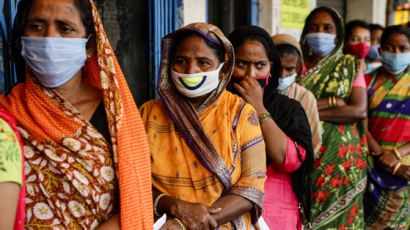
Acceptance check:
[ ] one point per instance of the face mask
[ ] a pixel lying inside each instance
(321, 43)
(196, 84)
(374, 53)
(262, 80)
(395, 63)
(54, 61)
(284, 83)
(360, 50)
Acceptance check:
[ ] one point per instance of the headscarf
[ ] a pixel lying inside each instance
(287, 113)
(286, 39)
(49, 124)
(180, 109)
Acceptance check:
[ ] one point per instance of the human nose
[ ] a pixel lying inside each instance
(282, 73)
(250, 71)
(192, 68)
(51, 32)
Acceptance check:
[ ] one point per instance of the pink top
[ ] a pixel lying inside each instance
(280, 207)
(359, 81)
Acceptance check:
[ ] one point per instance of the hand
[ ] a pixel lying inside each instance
(171, 224)
(403, 171)
(387, 160)
(195, 215)
(111, 224)
(252, 92)
(340, 102)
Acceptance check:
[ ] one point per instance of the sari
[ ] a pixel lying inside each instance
(74, 176)
(387, 197)
(199, 155)
(339, 169)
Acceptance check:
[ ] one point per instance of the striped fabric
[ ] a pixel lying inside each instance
(308, 102)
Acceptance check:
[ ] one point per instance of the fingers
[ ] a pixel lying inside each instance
(214, 210)
(212, 222)
(256, 226)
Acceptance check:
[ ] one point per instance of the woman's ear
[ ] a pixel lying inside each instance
(91, 46)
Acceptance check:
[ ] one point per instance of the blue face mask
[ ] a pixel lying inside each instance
(54, 61)
(284, 83)
(374, 53)
(321, 43)
(395, 63)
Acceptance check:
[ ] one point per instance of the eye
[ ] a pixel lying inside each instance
(240, 64)
(66, 29)
(260, 65)
(203, 63)
(329, 28)
(35, 26)
(179, 61)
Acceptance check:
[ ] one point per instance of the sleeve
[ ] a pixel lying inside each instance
(253, 163)
(11, 164)
(359, 81)
(145, 111)
(292, 160)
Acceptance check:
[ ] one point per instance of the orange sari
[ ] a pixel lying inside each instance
(199, 155)
(74, 177)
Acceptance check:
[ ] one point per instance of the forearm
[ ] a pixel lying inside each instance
(232, 206)
(404, 150)
(343, 114)
(275, 139)
(374, 147)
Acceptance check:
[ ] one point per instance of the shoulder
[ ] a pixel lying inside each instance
(149, 105)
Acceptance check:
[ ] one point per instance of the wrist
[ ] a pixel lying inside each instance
(260, 109)
(173, 206)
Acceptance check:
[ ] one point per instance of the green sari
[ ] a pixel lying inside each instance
(339, 174)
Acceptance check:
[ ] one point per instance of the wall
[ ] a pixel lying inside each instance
(126, 25)
(195, 11)
(270, 17)
(371, 11)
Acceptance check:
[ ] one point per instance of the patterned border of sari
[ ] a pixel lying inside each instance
(387, 196)
(59, 142)
(339, 175)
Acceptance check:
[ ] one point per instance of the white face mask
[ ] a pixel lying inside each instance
(284, 83)
(196, 84)
(54, 61)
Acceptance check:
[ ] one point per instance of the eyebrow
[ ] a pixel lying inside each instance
(58, 21)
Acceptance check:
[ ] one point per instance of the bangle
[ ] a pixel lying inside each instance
(396, 167)
(330, 102)
(156, 204)
(334, 101)
(181, 225)
(263, 117)
(396, 152)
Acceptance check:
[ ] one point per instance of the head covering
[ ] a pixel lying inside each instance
(180, 109)
(286, 39)
(288, 114)
(57, 135)
(339, 31)
(243, 33)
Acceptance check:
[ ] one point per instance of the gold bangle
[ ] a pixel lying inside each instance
(181, 225)
(397, 153)
(396, 167)
(263, 117)
(330, 102)
(156, 204)
(334, 101)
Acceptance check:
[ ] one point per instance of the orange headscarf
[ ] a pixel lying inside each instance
(45, 117)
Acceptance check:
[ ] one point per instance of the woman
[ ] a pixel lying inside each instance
(357, 42)
(339, 174)
(285, 129)
(386, 200)
(207, 150)
(291, 59)
(85, 147)
(12, 181)
(373, 57)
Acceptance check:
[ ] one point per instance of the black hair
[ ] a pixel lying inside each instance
(389, 31)
(23, 10)
(353, 25)
(182, 35)
(255, 33)
(336, 19)
(374, 27)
